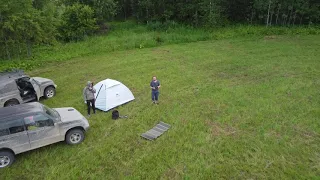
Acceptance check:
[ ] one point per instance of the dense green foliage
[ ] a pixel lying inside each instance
(22, 25)
(77, 22)
(220, 12)
(36, 22)
(104, 9)
(240, 108)
(30, 23)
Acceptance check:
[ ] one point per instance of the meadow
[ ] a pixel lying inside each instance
(240, 108)
(130, 35)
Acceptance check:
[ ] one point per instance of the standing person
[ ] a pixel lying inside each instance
(88, 95)
(155, 85)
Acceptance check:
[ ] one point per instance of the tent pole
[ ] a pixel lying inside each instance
(99, 91)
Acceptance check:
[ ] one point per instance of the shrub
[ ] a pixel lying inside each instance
(77, 22)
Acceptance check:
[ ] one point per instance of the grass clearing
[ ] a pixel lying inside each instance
(246, 108)
(130, 35)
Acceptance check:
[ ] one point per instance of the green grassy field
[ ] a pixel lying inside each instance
(131, 35)
(244, 108)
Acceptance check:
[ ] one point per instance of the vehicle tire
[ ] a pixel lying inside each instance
(49, 92)
(11, 102)
(74, 136)
(6, 158)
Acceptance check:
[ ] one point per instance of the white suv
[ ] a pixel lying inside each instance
(18, 88)
(33, 125)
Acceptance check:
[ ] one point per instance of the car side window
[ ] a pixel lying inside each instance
(8, 87)
(11, 127)
(4, 132)
(37, 121)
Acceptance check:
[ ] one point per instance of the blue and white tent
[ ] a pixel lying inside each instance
(110, 94)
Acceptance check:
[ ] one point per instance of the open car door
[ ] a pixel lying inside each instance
(36, 87)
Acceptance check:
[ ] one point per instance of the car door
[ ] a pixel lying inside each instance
(41, 130)
(36, 88)
(13, 135)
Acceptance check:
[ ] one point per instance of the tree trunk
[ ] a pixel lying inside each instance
(124, 10)
(267, 23)
(252, 13)
(270, 22)
(133, 12)
(284, 20)
(301, 19)
(290, 17)
(278, 14)
(197, 19)
(294, 18)
(287, 15)
(210, 13)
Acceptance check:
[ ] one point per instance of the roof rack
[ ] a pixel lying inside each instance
(14, 72)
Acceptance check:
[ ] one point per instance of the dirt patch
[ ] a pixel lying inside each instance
(219, 129)
(128, 172)
(305, 133)
(209, 103)
(270, 37)
(160, 51)
(230, 46)
(174, 173)
(133, 89)
(273, 133)
(184, 121)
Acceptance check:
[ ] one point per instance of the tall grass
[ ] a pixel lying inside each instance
(131, 35)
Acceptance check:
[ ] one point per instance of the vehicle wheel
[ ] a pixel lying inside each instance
(11, 102)
(6, 158)
(49, 92)
(74, 136)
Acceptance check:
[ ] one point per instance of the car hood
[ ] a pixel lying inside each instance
(41, 80)
(69, 114)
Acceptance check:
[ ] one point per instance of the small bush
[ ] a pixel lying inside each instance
(25, 65)
(77, 22)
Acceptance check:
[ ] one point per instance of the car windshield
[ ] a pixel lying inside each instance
(50, 112)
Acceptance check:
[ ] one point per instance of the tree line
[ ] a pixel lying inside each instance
(221, 12)
(24, 24)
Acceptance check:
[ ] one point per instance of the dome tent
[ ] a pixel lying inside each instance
(110, 94)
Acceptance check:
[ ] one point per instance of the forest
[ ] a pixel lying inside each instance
(29, 23)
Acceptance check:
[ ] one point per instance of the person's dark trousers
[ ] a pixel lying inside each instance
(154, 95)
(92, 105)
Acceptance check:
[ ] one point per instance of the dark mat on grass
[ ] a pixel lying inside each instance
(156, 131)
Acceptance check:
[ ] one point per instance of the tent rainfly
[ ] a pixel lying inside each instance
(110, 94)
